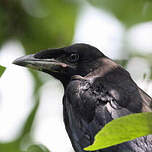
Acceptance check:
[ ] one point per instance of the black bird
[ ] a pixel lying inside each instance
(96, 91)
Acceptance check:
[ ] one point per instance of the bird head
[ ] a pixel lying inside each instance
(63, 63)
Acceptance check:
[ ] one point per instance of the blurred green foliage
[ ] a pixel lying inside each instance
(15, 146)
(129, 12)
(41, 24)
(25, 21)
(37, 148)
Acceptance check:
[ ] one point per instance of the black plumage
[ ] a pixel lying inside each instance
(97, 90)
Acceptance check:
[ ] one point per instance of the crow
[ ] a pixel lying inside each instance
(96, 91)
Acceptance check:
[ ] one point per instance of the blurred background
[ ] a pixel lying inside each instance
(31, 101)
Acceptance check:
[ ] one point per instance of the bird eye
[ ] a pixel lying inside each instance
(74, 57)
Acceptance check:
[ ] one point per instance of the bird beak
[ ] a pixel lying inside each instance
(31, 61)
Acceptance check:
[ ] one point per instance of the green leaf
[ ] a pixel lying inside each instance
(123, 129)
(2, 69)
(37, 148)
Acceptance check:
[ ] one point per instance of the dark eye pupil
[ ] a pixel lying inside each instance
(73, 57)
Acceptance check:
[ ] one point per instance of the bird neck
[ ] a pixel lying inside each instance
(104, 66)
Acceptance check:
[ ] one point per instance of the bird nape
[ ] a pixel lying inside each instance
(96, 91)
